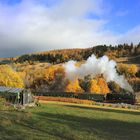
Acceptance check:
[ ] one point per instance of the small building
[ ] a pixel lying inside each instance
(19, 96)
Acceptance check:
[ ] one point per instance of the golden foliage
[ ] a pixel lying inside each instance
(31, 73)
(9, 77)
(21, 74)
(98, 85)
(54, 71)
(133, 69)
(103, 86)
(128, 70)
(111, 54)
(73, 86)
(94, 87)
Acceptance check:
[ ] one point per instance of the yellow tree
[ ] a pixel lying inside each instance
(133, 69)
(49, 75)
(128, 70)
(103, 86)
(54, 71)
(73, 86)
(94, 87)
(9, 77)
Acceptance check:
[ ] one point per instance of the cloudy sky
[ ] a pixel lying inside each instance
(39, 25)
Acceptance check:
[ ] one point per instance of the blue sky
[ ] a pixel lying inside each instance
(124, 15)
(38, 25)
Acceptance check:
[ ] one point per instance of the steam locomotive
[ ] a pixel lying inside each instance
(128, 98)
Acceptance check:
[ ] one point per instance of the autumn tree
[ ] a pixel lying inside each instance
(73, 86)
(133, 69)
(98, 85)
(127, 70)
(54, 72)
(94, 87)
(9, 77)
(104, 89)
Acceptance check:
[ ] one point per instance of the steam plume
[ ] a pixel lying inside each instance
(93, 67)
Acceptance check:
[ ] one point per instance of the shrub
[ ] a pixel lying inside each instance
(128, 70)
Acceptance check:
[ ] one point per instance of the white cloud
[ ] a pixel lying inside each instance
(37, 27)
(131, 36)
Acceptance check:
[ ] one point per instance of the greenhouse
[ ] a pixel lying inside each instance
(16, 95)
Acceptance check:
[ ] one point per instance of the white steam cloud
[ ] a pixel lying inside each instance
(93, 67)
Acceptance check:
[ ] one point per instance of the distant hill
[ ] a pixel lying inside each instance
(36, 68)
(63, 55)
(124, 53)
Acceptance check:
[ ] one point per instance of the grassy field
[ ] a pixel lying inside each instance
(63, 121)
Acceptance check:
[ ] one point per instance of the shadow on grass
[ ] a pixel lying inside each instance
(29, 128)
(45, 124)
(104, 109)
(101, 128)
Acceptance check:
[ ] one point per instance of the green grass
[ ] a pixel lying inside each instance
(69, 122)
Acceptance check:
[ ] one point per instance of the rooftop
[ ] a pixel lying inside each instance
(10, 89)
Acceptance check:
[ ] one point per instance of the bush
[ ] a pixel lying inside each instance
(128, 70)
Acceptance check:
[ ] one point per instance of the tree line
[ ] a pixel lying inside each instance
(60, 56)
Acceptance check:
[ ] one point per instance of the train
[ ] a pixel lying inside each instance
(128, 98)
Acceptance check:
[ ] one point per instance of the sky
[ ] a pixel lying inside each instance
(40, 25)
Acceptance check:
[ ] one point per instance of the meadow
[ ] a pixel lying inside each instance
(66, 121)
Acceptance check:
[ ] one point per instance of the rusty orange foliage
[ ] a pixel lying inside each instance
(103, 86)
(64, 99)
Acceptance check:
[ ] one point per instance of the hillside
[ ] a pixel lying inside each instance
(129, 60)
(43, 71)
(59, 56)
(63, 55)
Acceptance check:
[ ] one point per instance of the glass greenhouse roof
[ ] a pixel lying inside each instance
(10, 89)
